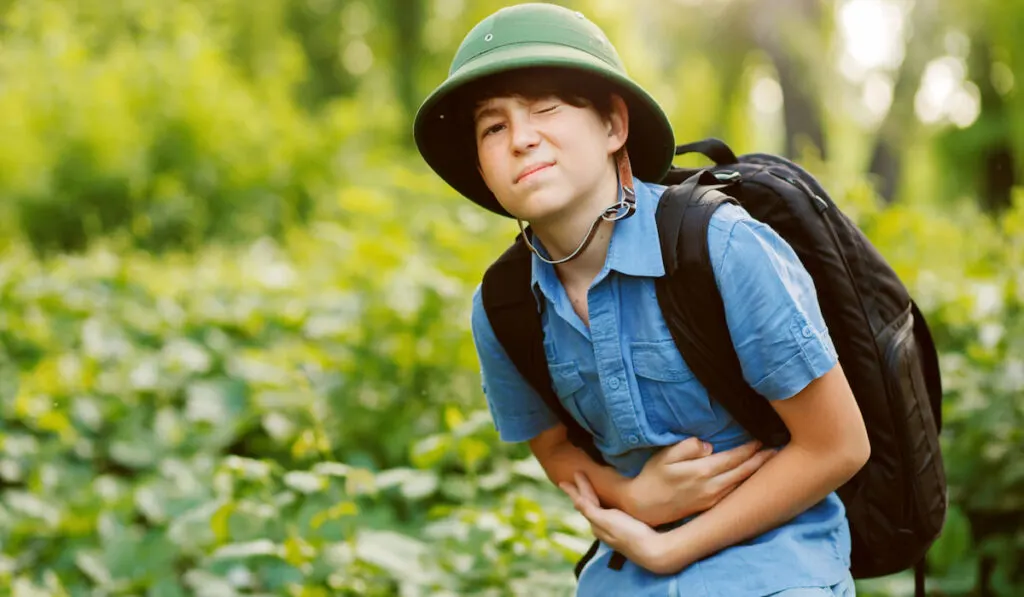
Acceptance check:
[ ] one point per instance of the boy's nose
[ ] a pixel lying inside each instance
(524, 135)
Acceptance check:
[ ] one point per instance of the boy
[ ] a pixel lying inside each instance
(539, 121)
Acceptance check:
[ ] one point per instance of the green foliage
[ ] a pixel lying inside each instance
(304, 418)
(283, 419)
(154, 132)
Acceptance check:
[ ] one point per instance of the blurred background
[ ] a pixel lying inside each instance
(234, 345)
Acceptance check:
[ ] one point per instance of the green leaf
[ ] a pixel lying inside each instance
(400, 555)
(954, 544)
(192, 530)
(305, 482)
(298, 552)
(91, 564)
(220, 522)
(360, 482)
(260, 547)
(428, 452)
(472, 451)
(453, 418)
(332, 469)
(415, 484)
(339, 510)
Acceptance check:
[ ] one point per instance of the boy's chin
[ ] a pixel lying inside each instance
(537, 208)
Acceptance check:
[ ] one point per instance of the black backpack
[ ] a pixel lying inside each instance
(896, 503)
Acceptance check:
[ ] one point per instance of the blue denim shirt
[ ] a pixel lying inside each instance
(624, 380)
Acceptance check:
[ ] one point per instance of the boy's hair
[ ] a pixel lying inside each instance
(572, 87)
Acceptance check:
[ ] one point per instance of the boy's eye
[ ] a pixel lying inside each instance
(494, 128)
(547, 109)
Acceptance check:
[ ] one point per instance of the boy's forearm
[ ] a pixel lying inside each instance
(563, 460)
(788, 484)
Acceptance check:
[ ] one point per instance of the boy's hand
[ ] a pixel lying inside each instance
(685, 478)
(632, 538)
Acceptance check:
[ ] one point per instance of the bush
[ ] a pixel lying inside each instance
(304, 417)
(151, 132)
(266, 418)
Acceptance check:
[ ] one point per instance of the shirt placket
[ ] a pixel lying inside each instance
(605, 321)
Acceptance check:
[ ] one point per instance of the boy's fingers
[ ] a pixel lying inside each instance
(572, 492)
(599, 533)
(586, 490)
(590, 511)
(738, 474)
(730, 459)
(595, 516)
(688, 449)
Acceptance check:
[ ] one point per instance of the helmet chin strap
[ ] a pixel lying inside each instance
(620, 210)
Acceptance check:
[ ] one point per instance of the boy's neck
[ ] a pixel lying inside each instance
(562, 236)
(580, 272)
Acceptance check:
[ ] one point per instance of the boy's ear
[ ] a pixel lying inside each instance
(618, 124)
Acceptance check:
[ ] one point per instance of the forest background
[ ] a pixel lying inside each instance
(234, 345)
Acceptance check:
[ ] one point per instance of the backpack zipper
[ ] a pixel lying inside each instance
(820, 205)
(912, 511)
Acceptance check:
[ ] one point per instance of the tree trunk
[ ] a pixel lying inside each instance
(886, 165)
(407, 17)
(997, 173)
(783, 32)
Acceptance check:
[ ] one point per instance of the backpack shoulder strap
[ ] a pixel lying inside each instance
(693, 309)
(511, 309)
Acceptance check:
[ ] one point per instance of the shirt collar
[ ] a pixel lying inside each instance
(634, 249)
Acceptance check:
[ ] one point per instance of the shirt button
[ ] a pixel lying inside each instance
(633, 439)
(614, 383)
(808, 332)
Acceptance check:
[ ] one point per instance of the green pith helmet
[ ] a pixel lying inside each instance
(528, 36)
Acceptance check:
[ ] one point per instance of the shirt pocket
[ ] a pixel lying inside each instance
(672, 397)
(578, 399)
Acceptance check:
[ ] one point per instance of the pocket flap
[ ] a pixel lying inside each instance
(566, 378)
(659, 361)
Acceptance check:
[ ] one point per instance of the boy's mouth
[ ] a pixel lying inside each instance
(531, 170)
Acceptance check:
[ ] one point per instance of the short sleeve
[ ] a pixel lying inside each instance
(519, 412)
(771, 306)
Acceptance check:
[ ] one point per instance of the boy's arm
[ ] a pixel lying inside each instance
(828, 445)
(561, 461)
(787, 356)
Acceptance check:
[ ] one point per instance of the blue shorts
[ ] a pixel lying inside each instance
(843, 589)
(626, 583)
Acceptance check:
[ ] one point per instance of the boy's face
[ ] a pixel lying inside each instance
(542, 157)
